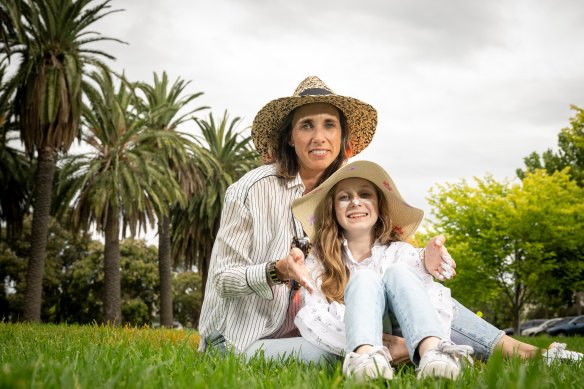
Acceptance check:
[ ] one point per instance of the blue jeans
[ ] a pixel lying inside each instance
(399, 298)
(369, 297)
(471, 330)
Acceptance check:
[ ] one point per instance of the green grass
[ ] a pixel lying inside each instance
(62, 356)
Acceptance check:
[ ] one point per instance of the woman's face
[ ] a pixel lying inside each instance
(316, 137)
(356, 207)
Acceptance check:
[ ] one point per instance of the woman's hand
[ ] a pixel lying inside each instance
(397, 349)
(437, 260)
(292, 268)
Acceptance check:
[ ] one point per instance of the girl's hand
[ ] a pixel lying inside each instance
(437, 260)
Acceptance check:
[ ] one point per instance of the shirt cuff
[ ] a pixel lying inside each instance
(256, 279)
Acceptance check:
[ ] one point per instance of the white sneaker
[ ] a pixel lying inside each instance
(443, 360)
(557, 352)
(372, 365)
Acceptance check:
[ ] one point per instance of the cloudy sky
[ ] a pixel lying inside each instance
(463, 88)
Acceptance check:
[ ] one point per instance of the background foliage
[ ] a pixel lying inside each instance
(73, 283)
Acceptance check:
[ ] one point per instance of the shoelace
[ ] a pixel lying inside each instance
(557, 346)
(363, 359)
(381, 350)
(457, 351)
(561, 349)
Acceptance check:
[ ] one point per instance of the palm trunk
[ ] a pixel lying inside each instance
(112, 280)
(40, 229)
(165, 272)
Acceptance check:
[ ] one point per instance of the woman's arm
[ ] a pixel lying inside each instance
(235, 273)
(437, 260)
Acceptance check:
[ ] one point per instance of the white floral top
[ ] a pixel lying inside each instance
(321, 323)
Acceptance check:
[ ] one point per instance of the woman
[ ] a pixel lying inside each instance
(248, 301)
(359, 223)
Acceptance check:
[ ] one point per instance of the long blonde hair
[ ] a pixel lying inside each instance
(329, 239)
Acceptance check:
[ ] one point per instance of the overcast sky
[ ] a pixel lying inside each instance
(462, 88)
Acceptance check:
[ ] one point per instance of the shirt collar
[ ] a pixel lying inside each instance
(375, 250)
(297, 181)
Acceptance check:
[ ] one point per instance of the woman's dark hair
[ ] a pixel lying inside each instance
(285, 156)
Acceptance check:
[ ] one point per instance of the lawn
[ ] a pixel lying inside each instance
(70, 356)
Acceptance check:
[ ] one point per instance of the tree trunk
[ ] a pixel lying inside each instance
(40, 230)
(165, 272)
(112, 289)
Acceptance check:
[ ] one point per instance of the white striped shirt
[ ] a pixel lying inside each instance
(256, 227)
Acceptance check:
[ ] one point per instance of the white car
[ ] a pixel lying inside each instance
(532, 331)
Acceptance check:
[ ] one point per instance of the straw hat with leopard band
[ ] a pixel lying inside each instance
(404, 217)
(361, 117)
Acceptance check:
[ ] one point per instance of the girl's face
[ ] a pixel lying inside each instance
(356, 207)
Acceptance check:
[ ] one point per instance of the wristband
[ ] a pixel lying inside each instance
(271, 273)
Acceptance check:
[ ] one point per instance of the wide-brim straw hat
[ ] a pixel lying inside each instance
(405, 218)
(361, 117)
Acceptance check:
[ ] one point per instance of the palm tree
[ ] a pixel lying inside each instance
(122, 178)
(50, 39)
(16, 172)
(162, 105)
(7, 30)
(195, 230)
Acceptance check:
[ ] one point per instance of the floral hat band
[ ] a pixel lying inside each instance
(405, 217)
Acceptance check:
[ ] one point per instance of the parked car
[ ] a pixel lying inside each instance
(540, 329)
(175, 324)
(572, 327)
(524, 325)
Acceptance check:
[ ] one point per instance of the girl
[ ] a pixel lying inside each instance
(361, 259)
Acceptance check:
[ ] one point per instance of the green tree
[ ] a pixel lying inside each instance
(49, 39)
(194, 231)
(510, 239)
(166, 107)
(188, 297)
(139, 281)
(121, 178)
(64, 249)
(570, 152)
(74, 278)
